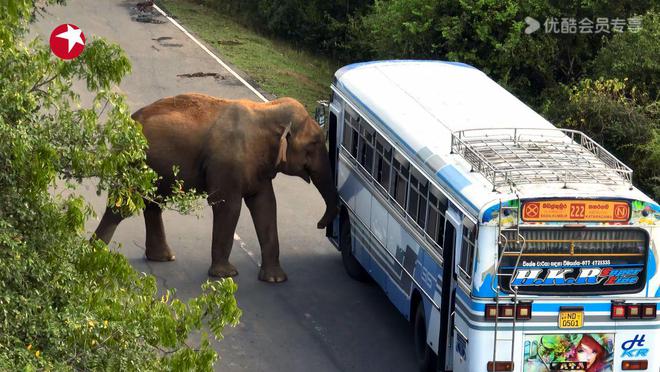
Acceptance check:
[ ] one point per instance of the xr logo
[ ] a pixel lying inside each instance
(628, 346)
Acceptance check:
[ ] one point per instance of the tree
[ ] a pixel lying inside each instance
(621, 119)
(633, 56)
(68, 303)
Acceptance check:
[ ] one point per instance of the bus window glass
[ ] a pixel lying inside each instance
(413, 197)
(437, 206)
(347, 136)
(594, 260)
(354, 142)
(366, 148)
(467, 246)
(383, 162)
(423, 203)
(400, 169)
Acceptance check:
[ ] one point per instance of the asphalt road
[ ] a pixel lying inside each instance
(320, 319)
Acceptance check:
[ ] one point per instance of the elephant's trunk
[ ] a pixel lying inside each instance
(321, 176)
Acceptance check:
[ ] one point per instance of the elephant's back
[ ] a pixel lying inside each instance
(175, 129)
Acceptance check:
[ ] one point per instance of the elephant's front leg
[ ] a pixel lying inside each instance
(225, 218)
(264, 215)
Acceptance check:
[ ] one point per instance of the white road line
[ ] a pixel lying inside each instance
(243, 246)
(204, 48)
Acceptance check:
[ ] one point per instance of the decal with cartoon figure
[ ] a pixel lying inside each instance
(587, 352)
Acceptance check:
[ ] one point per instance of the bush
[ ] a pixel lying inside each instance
(633, 56)
(68, 303)
(621, 119)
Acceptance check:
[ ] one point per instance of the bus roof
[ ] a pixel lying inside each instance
(419, 105)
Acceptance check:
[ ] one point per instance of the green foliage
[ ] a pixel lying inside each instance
(619, 118)
(68, 303)
(635, 56)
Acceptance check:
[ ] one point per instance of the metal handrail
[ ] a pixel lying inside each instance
(487, 154)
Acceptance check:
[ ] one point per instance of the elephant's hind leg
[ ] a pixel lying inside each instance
(157, 248)
(108, 225)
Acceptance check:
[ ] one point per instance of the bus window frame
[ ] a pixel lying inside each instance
(467, 256)
(401, 170)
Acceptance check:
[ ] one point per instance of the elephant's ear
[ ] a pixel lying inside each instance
(281, 154)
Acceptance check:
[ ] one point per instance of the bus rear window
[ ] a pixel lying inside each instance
(566, 261)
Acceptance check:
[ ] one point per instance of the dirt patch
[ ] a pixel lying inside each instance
(161, 40)
(148, 18)
(214, 75)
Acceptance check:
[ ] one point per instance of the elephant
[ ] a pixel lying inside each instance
(232, 150)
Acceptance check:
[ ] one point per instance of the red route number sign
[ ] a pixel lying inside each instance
(576, 210)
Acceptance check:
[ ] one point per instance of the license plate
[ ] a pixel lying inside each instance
(571, 318)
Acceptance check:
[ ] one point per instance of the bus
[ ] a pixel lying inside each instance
(508, 243)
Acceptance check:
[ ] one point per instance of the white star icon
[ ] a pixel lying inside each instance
(72, 36)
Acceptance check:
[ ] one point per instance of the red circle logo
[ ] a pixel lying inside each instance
(67, 41)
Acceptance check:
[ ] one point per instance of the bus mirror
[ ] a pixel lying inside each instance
(320, 114)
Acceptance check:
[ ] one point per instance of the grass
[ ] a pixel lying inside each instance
(277, 68)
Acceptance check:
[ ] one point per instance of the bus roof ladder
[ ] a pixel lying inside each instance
(515, 156)
(507, 247)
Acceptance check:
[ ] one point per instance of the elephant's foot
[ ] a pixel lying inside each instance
(272, 274)
(223, 270)
(160, 254)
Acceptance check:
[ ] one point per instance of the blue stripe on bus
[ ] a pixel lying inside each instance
(411, 151)
(450, 174)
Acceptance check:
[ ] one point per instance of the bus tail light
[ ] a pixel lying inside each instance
(499, 366)
(634, 365)
(618, 311)
(523, 311)
(633, 311)
(649, 311)
(621, 310)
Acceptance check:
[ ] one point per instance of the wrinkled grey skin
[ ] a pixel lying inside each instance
(232, 149)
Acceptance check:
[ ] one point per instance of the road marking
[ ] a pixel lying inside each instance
(243, 246)
(204, 48)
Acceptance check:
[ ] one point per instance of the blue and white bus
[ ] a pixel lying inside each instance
(510, 244)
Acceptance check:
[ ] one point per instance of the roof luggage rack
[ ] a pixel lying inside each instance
(514, 156)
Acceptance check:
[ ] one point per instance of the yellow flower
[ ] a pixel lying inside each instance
(105, 323)
(90, 323)
(93, 342)
(37, 353)
(29, 346)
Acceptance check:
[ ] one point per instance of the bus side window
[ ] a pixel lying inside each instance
(348, 133)
(355, 139)
(417, 197)
(400, 168)
(366, 148)
(383, 162)
(467, 246)
(435, 224)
